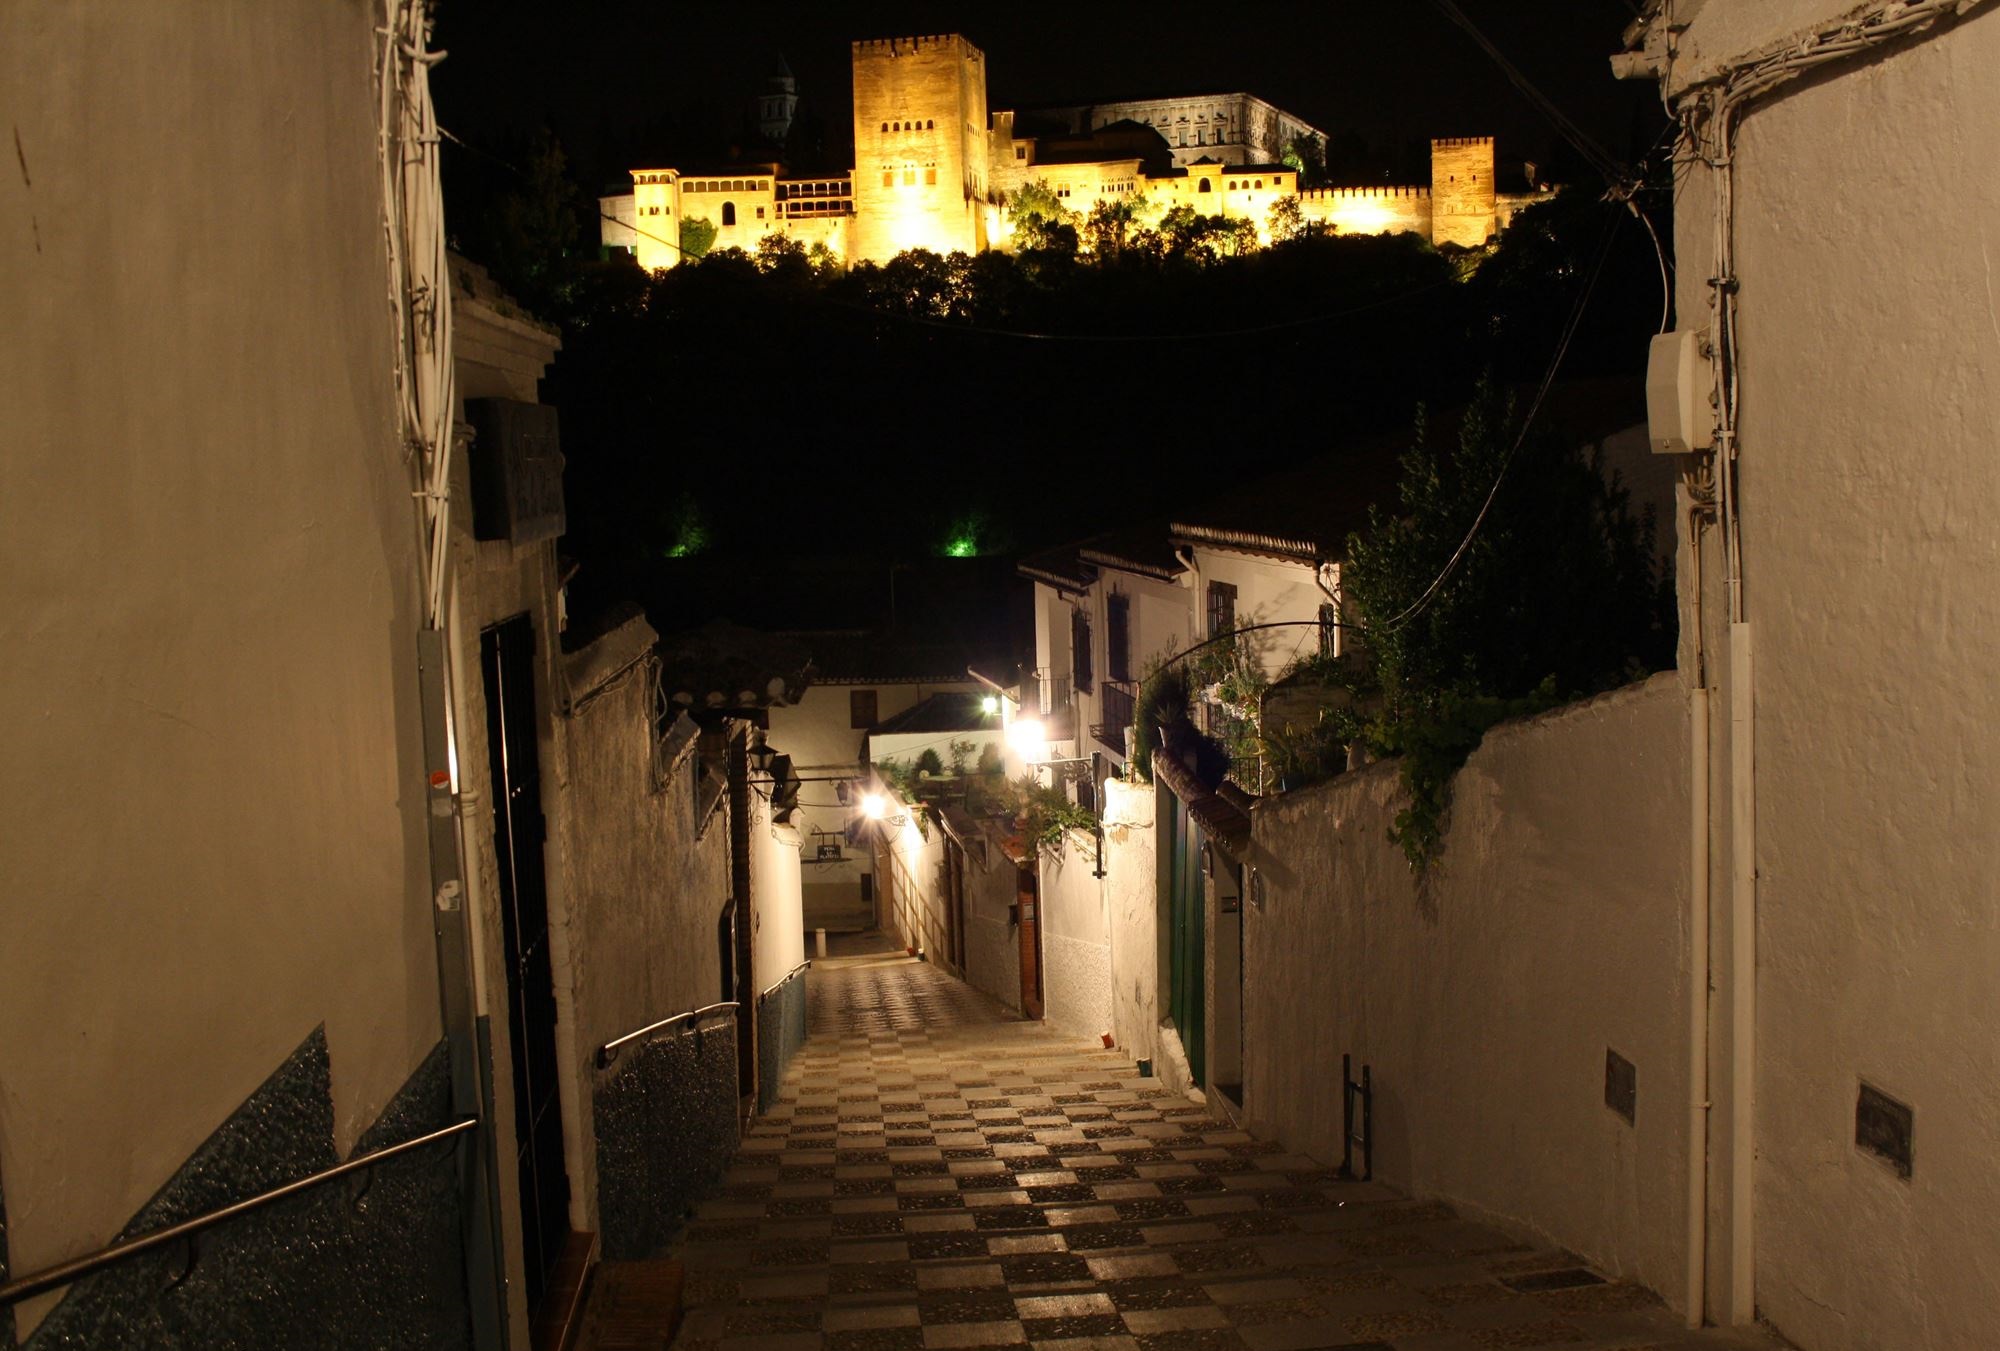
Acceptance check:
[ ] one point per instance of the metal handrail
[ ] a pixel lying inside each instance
(608, 1052)
(65, 1273)
(782, 979)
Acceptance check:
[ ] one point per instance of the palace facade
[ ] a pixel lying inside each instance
(934, 168)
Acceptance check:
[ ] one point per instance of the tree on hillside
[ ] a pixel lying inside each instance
(1286, 221)
(1306, 155)
(1110, 223)
(531, 231)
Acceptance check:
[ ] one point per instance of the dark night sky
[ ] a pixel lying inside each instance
(620, 78)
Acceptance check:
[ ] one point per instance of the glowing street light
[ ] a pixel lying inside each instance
(874, 806)
(990, 705)
(1029, 740)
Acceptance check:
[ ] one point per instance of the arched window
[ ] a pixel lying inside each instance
(1203, 187)
(885, 126)
(729, 213)
(1260, 185)
(930, 124)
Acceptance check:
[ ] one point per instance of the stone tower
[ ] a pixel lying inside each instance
(921, 156)
(777, 103)
(1463, 207)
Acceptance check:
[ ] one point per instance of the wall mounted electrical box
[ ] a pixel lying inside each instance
(1680, 407)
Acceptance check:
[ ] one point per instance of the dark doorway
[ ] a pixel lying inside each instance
(507, 657)
(1026, 895)
(954, 905)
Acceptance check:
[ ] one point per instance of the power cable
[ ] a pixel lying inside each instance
(1423, 601)
(1599, 158)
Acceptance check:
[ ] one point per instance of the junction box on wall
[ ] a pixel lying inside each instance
(1680, 393)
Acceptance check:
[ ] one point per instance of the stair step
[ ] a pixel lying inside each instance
(635, 1306)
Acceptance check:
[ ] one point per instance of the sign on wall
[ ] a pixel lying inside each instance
(517, 463)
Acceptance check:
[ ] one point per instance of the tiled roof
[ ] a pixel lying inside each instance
(950, 711)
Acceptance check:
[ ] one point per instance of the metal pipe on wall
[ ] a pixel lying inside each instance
(1698, 982)
(1742, 977)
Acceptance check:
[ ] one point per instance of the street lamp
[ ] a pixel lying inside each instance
(1029, 740)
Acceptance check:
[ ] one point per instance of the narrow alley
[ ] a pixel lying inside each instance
(942, 1174)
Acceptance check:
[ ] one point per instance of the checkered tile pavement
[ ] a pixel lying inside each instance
(940, 1174)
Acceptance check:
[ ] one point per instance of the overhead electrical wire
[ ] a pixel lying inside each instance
(1576, 314)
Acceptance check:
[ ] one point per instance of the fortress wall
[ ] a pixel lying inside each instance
(920, 150)
(1462, 190)
(832, 231)
(1509, 205)
(1369, 211)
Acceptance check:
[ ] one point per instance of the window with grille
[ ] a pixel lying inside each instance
(1118, 637)
(1329, 630)
(861, 708)
(1079, 649)
(1221, 609)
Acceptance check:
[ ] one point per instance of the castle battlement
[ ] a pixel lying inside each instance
(1363, 194)
(1459, 142)
(900, 46)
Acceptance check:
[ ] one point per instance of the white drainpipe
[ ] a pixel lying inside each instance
(1698, 981)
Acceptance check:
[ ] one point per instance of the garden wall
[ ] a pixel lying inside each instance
(1487, 995)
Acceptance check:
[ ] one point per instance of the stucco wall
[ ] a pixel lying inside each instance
(214, 779)
(1076, 939)
(992, 941)
(1870, 388)
(1721, 31)
(1485, 999)
(1132, 901)
(646, 881)
(1268, 591)
(779, 942)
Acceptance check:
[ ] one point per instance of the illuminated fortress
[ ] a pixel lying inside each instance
(933, 169)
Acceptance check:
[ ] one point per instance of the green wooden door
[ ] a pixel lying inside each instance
(1186, 997)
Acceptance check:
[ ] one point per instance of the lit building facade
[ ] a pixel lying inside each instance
(934, 169)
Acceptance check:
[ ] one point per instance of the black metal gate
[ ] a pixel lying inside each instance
(507, 658)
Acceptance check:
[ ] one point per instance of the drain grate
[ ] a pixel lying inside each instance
(1566, 1279)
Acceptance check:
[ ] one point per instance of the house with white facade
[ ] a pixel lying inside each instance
(859, 682)
(1830, 402)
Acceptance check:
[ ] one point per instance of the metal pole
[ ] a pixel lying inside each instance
(485, 1255)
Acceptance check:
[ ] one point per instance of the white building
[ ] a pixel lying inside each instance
(1841, 648)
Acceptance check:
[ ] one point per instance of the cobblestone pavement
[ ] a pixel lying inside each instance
(940, 1174)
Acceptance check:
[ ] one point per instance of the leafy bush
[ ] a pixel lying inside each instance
(1557, 596)
(1046, 811)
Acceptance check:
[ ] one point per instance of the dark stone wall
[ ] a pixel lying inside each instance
(665, 1119)
(781, 1030)
(374, 1259)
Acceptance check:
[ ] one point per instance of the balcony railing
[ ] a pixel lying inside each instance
(1117, 700)
(1055, 694)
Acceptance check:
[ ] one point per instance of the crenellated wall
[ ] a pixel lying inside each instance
(1368, 211)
